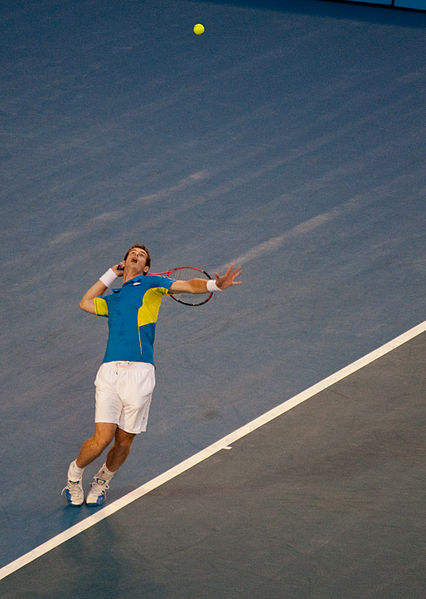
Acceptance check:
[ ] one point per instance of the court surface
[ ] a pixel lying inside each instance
(326, 500)
(289, 138)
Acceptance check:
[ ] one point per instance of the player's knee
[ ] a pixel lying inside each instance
(124, 440)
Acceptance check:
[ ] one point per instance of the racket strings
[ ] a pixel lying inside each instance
(186, 273)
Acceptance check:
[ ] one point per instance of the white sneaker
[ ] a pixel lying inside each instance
(97, 494)
(74, 492)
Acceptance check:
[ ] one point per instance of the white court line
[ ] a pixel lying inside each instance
(223, 443)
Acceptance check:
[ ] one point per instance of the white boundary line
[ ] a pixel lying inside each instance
(223, 443)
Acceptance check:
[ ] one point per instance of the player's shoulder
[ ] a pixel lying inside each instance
(158, 280)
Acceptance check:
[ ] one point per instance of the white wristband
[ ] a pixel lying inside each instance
(108, 277)
(211, 286)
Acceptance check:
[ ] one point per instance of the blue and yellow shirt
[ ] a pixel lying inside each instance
(132, 313)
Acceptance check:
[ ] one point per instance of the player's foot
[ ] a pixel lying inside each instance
(74, 492)
(97, 494)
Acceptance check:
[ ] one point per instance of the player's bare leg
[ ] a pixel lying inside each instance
(93, 447)
(90, 450)
(120, 450)
(115, 458)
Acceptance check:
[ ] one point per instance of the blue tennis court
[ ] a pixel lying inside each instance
(288, 138)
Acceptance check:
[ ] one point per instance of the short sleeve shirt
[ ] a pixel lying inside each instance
(132, 312)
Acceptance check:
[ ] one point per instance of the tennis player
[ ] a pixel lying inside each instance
(126, 378)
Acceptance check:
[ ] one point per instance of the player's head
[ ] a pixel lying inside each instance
(139, 249)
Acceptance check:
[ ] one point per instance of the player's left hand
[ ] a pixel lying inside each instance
(228, 279)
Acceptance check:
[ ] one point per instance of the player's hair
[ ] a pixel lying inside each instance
(142, 247)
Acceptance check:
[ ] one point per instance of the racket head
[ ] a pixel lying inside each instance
(185, 273)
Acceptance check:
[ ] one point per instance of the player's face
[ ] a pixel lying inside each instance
(136, 260)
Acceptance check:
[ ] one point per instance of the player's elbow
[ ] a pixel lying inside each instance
(84, 304)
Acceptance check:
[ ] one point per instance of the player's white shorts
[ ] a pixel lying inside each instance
(123, 394)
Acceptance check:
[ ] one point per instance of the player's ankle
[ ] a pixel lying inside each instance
(74, 472)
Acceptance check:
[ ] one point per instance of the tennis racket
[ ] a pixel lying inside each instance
(185, 273)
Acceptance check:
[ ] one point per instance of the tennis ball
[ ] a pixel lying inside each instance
(198, 29)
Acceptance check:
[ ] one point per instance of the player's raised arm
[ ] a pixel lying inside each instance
(86, 303)
(201, 285)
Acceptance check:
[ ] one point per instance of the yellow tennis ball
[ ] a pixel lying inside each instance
(198, 29)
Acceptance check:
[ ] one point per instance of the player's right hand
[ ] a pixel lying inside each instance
(118, 269)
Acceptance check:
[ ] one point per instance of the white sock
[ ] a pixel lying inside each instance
(104, 473)
(74, 472)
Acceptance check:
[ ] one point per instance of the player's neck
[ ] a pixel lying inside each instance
(130, 274)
